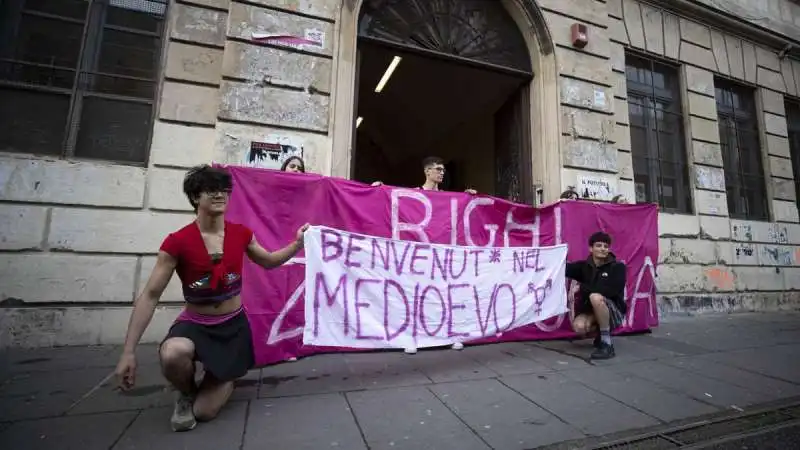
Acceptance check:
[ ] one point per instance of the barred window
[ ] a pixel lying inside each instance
(793, 122)
(660, 166)
(741, 151)
(78, 77)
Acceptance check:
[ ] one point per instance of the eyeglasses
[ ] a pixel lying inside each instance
(437, 169)
(222, 191)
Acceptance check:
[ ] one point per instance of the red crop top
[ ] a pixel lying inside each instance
(205, 280)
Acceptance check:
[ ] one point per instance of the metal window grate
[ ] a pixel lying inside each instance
(745, 183)
(660, 166)
(87, 71)
(471, 29)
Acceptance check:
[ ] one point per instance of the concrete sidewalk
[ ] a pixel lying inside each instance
(504, 396)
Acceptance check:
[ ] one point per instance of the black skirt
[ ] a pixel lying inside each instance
(225, 349)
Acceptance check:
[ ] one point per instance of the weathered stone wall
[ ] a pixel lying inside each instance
(592, 144)
(709, 262)
(78, 239)
(779, 16)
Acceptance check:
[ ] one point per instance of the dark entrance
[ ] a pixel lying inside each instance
(456, 86)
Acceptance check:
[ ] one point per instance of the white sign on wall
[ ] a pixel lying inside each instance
(596, 188)
(272, 151)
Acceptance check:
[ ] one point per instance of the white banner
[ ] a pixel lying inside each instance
(371, 292)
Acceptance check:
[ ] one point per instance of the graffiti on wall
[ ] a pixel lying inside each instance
(720, 279)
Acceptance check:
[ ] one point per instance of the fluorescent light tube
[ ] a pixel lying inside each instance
(388, 74)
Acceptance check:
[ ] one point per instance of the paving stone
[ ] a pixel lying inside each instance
(91, 432)
(700, 388)
(151, 431)
(58, 358)
(771, 388)
(45, 394)
(576, 404)
(640, 394)
(247, 387)
(443, 366)
(628, 350)
(395, 371)
(151, 391)
(512, 359)
(327, 422)
(314, 375)
(673, 346)
(410, 418)
(778, 362)
(503, 418)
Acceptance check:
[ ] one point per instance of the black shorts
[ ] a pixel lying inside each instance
(225, 349)
(615, 316)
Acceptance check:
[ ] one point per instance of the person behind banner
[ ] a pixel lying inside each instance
(213, 328)
(294, 164)
(433, 168)
(601, 296)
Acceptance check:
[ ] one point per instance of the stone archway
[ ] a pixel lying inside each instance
(543, 92)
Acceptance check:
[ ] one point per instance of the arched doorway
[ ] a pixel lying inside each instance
(448, 78)
(543, 112)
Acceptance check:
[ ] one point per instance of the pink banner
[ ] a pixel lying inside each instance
(274, 204)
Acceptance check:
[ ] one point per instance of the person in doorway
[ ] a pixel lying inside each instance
(433, 168)
(601, 296)
(294, 164)
(207, 254)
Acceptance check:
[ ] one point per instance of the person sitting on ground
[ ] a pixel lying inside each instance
(601, 297)
(433, 168)
(213, 328)
(294, 164)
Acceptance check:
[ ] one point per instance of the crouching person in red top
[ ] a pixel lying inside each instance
(208, 255)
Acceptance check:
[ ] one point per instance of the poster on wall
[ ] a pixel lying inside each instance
(312, 39)
(271, 152)
(597, 188)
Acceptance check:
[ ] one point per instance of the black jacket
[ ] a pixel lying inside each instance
(608, 280)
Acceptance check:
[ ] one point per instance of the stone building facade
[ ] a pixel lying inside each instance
(79, 233)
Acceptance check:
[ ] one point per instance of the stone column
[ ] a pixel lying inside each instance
(774, 140)
(706, 168)
(586, 84)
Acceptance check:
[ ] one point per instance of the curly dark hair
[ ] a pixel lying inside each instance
(204, 178)
(599, 237)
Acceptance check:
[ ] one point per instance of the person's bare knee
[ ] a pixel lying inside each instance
(600, 307)
(177, 362)
(213, 395)
(582, 325)
(598, 301)
(176, 353)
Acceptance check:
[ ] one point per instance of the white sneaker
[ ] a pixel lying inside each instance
(458, 346)
(183, 415)
(411, 350)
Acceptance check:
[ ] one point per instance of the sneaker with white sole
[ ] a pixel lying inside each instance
(183, 415)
